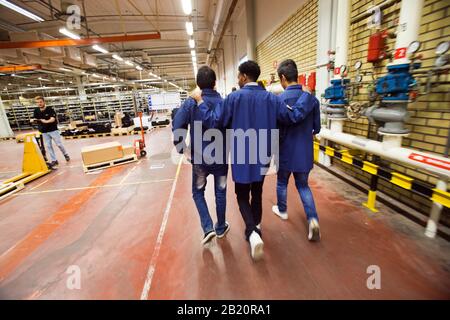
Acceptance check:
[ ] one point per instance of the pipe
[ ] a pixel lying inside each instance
(408, 29)
(391, 149)
(342, 31)
(366, 14)
(227, 21)
(218, 14)
(250, 19)
(435, 214)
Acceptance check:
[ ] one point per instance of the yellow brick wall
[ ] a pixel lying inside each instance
(295, 39)
(430, 115)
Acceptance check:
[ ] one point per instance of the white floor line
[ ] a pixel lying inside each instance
(126, 176)
(45, 181)
(162, 230)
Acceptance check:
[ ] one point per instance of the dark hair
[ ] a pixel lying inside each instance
(206, 78)
(250, 69)
(39, 98)
(288, 69)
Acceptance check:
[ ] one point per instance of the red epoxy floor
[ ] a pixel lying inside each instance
(130, 242)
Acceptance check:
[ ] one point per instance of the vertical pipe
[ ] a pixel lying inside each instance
(408, 28)
(250, 18)
(342, 33)
(435, 213)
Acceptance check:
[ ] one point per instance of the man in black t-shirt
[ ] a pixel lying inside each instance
(47, 122)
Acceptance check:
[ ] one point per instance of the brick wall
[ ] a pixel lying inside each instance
(295, 39)
(430, 115)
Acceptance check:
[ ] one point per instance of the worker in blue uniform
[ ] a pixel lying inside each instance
(252, 114)
(204, 163)
(296, 151)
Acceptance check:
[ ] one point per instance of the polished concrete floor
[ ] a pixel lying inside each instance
(132, 232)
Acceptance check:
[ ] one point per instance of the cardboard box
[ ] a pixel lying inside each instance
(128, 150)
(73, 124)
(122, 130)
(102, 153)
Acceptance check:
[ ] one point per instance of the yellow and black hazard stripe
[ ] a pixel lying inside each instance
(377, 172)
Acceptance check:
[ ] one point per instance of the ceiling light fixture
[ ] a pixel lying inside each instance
(187, 6)
(99, 49)
(139, 68)
(65, 69)
(193, 53)
(20, 10)
(117, 57)
(189, 28)
(128, 62)
(68, 33)
(191, 43)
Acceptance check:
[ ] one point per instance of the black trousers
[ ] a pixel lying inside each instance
(251, 210)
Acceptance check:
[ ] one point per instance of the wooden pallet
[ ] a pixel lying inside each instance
(6, 138)
(98, 135)
(109, 164)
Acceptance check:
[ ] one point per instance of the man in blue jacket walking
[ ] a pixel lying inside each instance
(296, 151)
(252, 114)
(204, 162)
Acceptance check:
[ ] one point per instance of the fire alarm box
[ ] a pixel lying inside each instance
(312, 81)
(302, 79)
(377, 47)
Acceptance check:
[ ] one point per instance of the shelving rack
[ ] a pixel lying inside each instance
(69, 108)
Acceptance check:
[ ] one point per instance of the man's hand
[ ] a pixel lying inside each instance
(197, 95)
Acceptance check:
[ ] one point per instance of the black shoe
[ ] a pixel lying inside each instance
(53, 164)
(224, 233)
(208, 236)
(67, 157)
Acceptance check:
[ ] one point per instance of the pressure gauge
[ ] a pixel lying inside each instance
(358, 65)
(343, 68)
(414, 47)
(442, 47)
(359, 78)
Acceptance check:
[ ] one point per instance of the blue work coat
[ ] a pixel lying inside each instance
(296, 141)
(253, 107)
(189, 114)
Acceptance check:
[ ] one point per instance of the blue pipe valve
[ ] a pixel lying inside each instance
(336, 93)
(397, 84)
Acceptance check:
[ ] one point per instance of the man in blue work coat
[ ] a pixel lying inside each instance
(296, 151)
(252, 114)
(204, 163)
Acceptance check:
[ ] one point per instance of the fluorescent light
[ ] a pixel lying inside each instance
(193, 53)
(100, 49)
(96, 75)
(189, 28)
(139, 68)
(187, 6)
(191, 43)
(69, 33)
(117, 57)
(128, 62)
(43, 79)
(65, 69)
(194, 59)
(20, 10)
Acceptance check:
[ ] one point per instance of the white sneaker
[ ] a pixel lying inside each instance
(282, 215)
(257, 246)
(259, 226)
(314, 230)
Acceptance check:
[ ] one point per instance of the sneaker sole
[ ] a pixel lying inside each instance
(315, 235)
(208, 238)
(259, 252)
(280, 216)
(224, 233)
